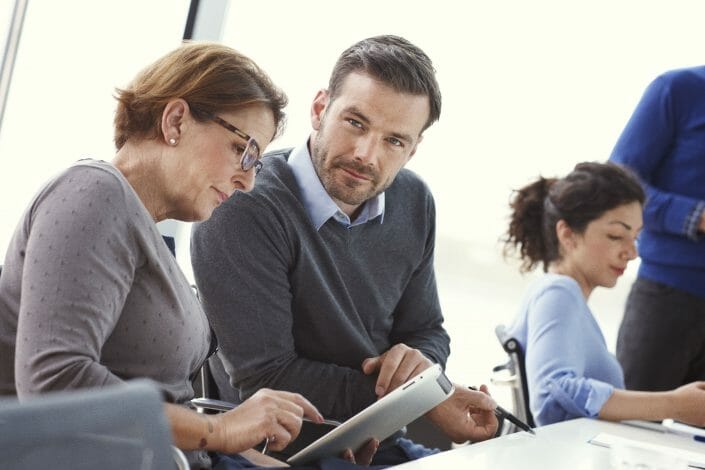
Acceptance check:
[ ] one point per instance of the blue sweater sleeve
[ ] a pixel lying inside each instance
(647, 140)
(555, 358)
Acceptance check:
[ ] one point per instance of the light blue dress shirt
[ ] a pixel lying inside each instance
(318, 203)
(570, 372)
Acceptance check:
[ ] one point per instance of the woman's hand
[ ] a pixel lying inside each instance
(689, 403)
(268, 414)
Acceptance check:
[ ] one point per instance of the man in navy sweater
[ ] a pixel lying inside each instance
(660, 343)
(321, 281)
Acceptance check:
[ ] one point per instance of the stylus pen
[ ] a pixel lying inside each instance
(500, 412)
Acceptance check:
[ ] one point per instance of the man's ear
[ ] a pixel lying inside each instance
(172, 120)
(318, 107)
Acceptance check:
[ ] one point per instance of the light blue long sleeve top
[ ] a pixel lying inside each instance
(570, 372)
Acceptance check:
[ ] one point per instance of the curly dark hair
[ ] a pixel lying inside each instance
(586, 193)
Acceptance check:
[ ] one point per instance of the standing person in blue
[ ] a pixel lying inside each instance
(582, 228)
(331, 290)
(660, 343)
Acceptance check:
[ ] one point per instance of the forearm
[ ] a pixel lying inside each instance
(433, 343)
(337, 392)
(629, 404)
(191, 430)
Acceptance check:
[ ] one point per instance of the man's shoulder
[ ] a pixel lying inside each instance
(276, 174)
(275, 178)
(275, 189)
(408, 180)
(691, 79)
(280, 153)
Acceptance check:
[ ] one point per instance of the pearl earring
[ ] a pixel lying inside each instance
(172, 141)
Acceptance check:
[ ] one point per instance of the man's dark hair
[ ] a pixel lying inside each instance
(395, 62)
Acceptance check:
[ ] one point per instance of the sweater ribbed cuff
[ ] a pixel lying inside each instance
(692, 222)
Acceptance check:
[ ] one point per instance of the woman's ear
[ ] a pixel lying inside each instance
(172, 119)
(565, 235)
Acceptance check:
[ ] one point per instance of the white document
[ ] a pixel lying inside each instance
(695, 459)
(684, 429)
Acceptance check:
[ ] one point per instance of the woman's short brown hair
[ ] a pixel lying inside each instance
(210, 77)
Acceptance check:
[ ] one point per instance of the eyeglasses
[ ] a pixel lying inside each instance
(251, 153)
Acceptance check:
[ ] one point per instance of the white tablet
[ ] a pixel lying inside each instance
(382, 418)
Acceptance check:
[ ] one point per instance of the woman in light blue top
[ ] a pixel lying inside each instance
(583, 230)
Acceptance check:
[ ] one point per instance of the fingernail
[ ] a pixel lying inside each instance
(379, 391)
(320, 418)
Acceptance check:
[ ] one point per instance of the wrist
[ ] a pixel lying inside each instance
(671, 406)
(213, 433)
(437, 415)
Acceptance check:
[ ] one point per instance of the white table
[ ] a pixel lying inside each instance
(561, 446)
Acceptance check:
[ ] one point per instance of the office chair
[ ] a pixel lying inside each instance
(513, 374)
(111, 428)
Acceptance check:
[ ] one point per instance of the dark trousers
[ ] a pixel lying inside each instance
(661, 341)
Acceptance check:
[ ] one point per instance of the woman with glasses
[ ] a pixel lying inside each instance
(583, 229)
(91, 296)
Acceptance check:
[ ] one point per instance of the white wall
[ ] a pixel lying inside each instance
(529, 87)
(72, 55)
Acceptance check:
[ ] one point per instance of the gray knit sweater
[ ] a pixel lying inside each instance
(298, 309)
(91, 296)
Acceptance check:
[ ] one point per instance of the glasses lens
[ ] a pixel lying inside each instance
(250, 156)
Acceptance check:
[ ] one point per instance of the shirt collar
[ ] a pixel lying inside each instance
(319, 205)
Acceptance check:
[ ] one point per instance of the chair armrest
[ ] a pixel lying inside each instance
(212, 404)
(180, 459)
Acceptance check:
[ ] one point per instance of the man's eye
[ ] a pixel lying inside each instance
(614, 237)
(395, 141)
(355, 123)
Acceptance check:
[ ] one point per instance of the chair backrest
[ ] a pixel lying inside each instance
(116, 427)
(513, 373)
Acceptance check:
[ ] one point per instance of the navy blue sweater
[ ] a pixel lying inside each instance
(664, 142)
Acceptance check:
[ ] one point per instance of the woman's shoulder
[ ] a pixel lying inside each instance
(87, 189)
(102, 182)
(97, 172)
(556, 285)
(552, 297)
(545, 299)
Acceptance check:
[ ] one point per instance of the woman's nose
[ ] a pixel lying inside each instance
(244, 180)
(632, 251)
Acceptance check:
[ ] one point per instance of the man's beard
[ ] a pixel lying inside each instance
(350, 193)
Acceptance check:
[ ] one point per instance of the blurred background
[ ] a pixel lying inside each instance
(529, 88)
